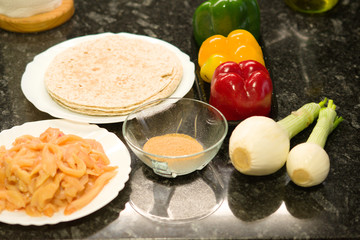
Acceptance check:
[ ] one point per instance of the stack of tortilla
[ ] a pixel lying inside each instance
(112, 75)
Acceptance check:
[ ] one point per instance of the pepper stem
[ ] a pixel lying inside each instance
(301, 118)
(326, 123)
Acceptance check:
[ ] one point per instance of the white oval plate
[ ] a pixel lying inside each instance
(113, 146)
(33, 87)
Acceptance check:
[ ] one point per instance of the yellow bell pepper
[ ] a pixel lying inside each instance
(238, 46)
(208, 68)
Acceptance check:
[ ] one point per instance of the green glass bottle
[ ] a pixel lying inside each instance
(311, 6)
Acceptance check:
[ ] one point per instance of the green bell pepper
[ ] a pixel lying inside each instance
(223, 16)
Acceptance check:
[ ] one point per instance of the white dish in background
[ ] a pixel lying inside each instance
(33, 86)
(114, 149)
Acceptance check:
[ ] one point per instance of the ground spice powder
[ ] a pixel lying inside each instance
(173, 144)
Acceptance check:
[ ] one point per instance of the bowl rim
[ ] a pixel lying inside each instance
(217, 143)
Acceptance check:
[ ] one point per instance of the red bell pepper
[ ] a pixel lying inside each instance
(241, 90)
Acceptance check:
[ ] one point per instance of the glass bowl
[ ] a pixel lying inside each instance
(191, 117)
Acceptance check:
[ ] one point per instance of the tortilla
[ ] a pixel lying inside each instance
(112, 75)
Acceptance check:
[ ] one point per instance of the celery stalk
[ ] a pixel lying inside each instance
(326, 123)
(301, 118)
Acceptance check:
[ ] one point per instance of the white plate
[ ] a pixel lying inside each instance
(33, 87)
(113, 146)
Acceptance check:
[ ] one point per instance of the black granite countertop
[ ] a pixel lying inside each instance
(309, 56)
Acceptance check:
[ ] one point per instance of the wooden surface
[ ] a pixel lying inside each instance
(39, 22)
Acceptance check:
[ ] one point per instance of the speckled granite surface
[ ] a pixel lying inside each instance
(309, 57)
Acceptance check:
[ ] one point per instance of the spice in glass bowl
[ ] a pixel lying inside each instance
(173, 144)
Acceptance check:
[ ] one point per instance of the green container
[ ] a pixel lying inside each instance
(311, 6)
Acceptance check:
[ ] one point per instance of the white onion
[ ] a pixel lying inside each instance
(308, 164)
(258, 146)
